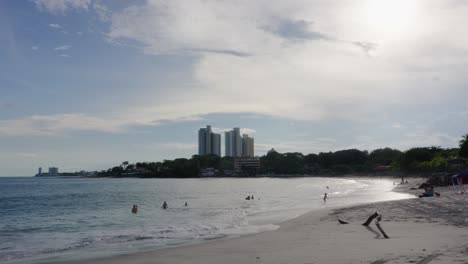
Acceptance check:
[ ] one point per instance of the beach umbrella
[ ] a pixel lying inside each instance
(462, 177)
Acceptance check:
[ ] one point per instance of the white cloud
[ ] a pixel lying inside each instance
(61, 124)
(64, 47)
(179, 146)
(47, 125)
(26, 155)
(55, 26)
(61, 6)
(65, 55)
(397, 125)
(102, 11)
(35, 48)
(244, 67)
(315, 145)
(248, 131)
(247, 62)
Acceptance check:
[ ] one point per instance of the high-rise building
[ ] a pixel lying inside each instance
(233, 143)
(247, 146)
(216, 144)
(228, 144)
(208, 142)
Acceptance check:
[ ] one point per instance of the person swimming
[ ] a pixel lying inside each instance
(164, 206)
(135, 209)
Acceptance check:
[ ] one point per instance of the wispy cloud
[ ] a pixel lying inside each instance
(26, 155)
(62, 124)
(48, 125)
(103, 12)
(315, 145)
(397, 125)
(35, 48)
(64, 47)
(365, 46)
(295, 30)
(180, 146)
(55, 26)
(248, 131)
(65, 55)
(61, 6)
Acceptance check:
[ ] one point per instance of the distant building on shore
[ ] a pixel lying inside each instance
(53, 171)
(208, 142)
(233, 143)
(247, 146)
(246, 164)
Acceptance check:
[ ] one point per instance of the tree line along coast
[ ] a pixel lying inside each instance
(421, 161)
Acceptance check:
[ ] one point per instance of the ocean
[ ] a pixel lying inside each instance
(56, 219)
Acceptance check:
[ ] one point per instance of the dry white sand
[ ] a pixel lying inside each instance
(428, 230)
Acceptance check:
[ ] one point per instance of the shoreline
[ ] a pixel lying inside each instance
(416, 229)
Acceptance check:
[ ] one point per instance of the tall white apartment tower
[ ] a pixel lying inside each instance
(208, 142)
(237, 142)
(233, 143)
(216, 144)
(228, 143)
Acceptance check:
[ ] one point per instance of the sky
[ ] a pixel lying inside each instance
(88, 84)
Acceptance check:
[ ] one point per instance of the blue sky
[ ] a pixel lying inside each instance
(87, 84)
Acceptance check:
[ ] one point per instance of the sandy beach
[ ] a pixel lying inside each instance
(426, 230)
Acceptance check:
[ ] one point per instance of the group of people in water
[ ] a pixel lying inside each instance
(249, 197)
(164, 206)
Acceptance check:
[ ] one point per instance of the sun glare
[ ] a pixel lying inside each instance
(390, 19)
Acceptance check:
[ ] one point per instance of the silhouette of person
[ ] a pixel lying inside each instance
(186, 204)
(164, 206)
(325, 196)
(135, 209)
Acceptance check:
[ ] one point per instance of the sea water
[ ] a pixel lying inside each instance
(55, 219)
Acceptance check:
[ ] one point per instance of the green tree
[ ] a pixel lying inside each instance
(385, 156)
(463, 152)
(411, 158)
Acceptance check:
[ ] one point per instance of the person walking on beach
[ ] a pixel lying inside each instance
(325, 196)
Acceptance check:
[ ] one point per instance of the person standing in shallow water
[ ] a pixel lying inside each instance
(164, 206)
(325, 196)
